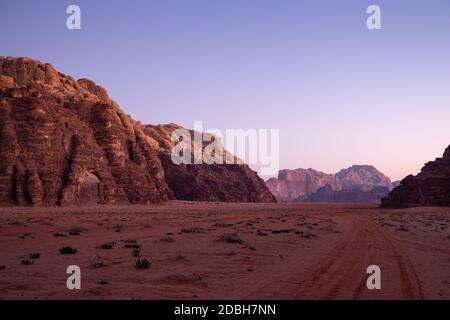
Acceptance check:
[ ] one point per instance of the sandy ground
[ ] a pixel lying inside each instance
(226, 251)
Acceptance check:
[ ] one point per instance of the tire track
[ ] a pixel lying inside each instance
(341, 273)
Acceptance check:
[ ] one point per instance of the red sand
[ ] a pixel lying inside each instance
(318, 251)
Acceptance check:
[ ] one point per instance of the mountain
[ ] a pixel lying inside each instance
(431, 187)
(363, 177)
(359, 183)
(299, 183)
(327, 194)
(65, 142)
(395, 184)
(207, 182)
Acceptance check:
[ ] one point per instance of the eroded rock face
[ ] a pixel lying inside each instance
(300, 183)
(363, 177)
(65, 142)
(203, 182)
(349, 185)
(6, 82)
(327, 194)
(431, 187)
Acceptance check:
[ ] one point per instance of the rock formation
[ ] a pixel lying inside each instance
(355, 184)
(395, 184)
(363, 177)
(65, 142)
(431, 187)
(327, 194)
(207, 182)
(300, 183)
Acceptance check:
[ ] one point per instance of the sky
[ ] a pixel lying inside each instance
(339, 93)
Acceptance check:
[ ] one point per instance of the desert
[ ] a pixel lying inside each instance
(199, 250)
(88, 192)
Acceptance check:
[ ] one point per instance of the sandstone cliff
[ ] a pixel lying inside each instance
(300, 183)
(431, 187)
(348, 185)
(219, 182)
(65, 142)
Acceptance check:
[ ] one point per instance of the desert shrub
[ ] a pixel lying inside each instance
(68, 250)
(97, 264)
(168, 239)
(402, 228)
(222, 225)
(27, 262)
(178, 258)
(58, 234)
(281, 231)
(143, 264)
(308, 235)
(75, 231)
(35, 255)
(118, 227)
(132, 246)
(106, 246)
(261, 233)
(192, 230)
(231, 238)
(136, 253)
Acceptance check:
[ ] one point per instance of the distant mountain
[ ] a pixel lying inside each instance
(292, 184)
(431, 187)
(327, 194)
(359, 183)
(363, 177)
(395, 184)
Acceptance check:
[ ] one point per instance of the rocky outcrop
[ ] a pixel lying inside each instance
(431, 187)
(207, 182)
(65, 142)
(354, 184)
(300, 183)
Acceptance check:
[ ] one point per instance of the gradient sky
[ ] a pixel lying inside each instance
(339, 93)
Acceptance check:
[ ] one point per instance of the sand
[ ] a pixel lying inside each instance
(226, 251)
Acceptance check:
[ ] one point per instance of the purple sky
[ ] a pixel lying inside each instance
(339, 93)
